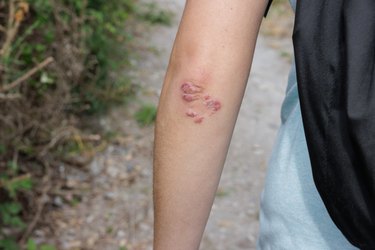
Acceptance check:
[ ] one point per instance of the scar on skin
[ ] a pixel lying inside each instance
(201, 104)
(189, 88)
(191, 113)
(214, 105)
(199, 119)
(190, 97)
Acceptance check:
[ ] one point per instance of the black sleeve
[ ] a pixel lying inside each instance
(268, 7)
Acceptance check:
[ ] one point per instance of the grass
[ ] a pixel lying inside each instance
(146, 115)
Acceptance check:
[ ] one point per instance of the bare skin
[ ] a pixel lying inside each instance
(199, 104)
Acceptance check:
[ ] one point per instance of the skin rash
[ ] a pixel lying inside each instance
(200, 104)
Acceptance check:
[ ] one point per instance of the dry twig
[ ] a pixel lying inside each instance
(2, 28)
(58, 135)
(15, 179)
(28, 74)
(12, 29)
(8, 97)
(46, 184)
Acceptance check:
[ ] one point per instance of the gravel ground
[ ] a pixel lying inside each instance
(115, 211)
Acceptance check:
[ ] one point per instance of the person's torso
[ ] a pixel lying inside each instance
(292, 214)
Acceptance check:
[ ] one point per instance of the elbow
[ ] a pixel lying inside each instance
(193, 62)
(188, 96)
(188, 92)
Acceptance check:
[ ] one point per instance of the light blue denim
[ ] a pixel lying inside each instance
(292, 214)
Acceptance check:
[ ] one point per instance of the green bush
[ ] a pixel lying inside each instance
(59, 60)
(12, 182)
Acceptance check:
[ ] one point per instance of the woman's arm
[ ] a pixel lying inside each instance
(199, 104)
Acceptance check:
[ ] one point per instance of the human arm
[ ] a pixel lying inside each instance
(199, 104)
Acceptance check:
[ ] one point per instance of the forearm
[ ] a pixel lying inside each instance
(198, 108)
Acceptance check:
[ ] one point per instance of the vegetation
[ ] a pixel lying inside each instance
(146, 115)
(58, 63)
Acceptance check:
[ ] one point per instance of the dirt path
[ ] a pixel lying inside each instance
(115, 211)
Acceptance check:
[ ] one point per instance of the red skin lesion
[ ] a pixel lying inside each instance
(190, 97)
(191, 113)
(200, 104)
(199, 119)
(214, 105)
(189, 88)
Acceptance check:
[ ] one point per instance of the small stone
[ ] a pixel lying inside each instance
(96, 167)
(128, 157)
(74, 244)
(112, 171)
(120, 234)
(92, 240)
(110, 195)
(225, 223)
(90, 219)
(71, 183)
(57, 201)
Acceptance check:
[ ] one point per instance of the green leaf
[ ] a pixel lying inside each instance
(31, 245)
(98, 16)
(14, 207)
(12, 165)
(12, 220)
(8, 244)
(46, 79)
(40, 47)
(3, 149)
(15, 185)
(11, 208)
(47, 247)
(146, 115)
(9, 214)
